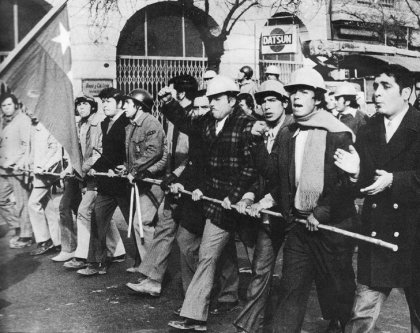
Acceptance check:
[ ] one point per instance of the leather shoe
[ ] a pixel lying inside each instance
(91, 270)
(222, 308)
(75, 264)
(42, 248)
(148, 286)
(189, 324)
(63, 256)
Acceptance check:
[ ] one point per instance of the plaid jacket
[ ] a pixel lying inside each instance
(229, 168)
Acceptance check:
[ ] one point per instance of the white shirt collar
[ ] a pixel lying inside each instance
(397, 119)
(220, 124)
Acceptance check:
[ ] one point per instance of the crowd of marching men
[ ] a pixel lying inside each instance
(269, 165)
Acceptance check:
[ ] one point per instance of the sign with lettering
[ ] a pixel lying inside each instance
(279, 39)
(93, 87)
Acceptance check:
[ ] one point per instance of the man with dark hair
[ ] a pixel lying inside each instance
(85, 106)
(307, 185)
(230, 171)
(247, 104)
(385, 166)
(112, 192)
(246, 85)
(90, 136)
(347, 107)
(270, 231)
(14, 150)
(153, 267)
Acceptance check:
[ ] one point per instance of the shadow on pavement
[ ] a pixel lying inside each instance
(16, 269)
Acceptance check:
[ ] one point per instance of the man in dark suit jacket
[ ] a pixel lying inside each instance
(112, 192)
(386, 165)
(308, 186)
(271, 232)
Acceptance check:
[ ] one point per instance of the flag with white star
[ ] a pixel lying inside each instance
(38, 72)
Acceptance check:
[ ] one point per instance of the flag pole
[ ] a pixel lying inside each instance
(31, 35)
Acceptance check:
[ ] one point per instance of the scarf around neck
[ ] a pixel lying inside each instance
(311, 180)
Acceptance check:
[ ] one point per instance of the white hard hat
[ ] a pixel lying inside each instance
(221, 84)
(209, 74)
(270, 88)
(306, 77)
(272, 69)
(345, 89)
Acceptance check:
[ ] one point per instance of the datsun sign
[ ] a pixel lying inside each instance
(279, 39)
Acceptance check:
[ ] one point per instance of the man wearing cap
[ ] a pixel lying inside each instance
(385, 166)
(309, 186)
(271, 231)
(90, 138)
(347, 107)
(229, 173)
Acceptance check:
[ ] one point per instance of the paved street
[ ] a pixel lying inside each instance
(38, 295)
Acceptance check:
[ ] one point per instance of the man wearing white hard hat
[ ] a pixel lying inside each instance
(271, 231)
(208, 75)
(230, 171)
(272, 72)
(309, 186)
(347, 107)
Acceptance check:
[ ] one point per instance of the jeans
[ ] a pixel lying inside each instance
(68, 206)
(114, 242)
(156, 261)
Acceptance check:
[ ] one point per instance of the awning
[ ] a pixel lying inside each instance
(370, 64)
(412, 64)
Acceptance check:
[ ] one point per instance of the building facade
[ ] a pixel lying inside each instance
(143, 43)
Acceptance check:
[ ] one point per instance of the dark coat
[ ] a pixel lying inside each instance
(113, 154)
(228, 162)
(260, 188)
(392, 215)
(354, 123)
(336, 204)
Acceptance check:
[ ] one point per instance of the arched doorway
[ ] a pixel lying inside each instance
(158, 42)
(287, 59)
